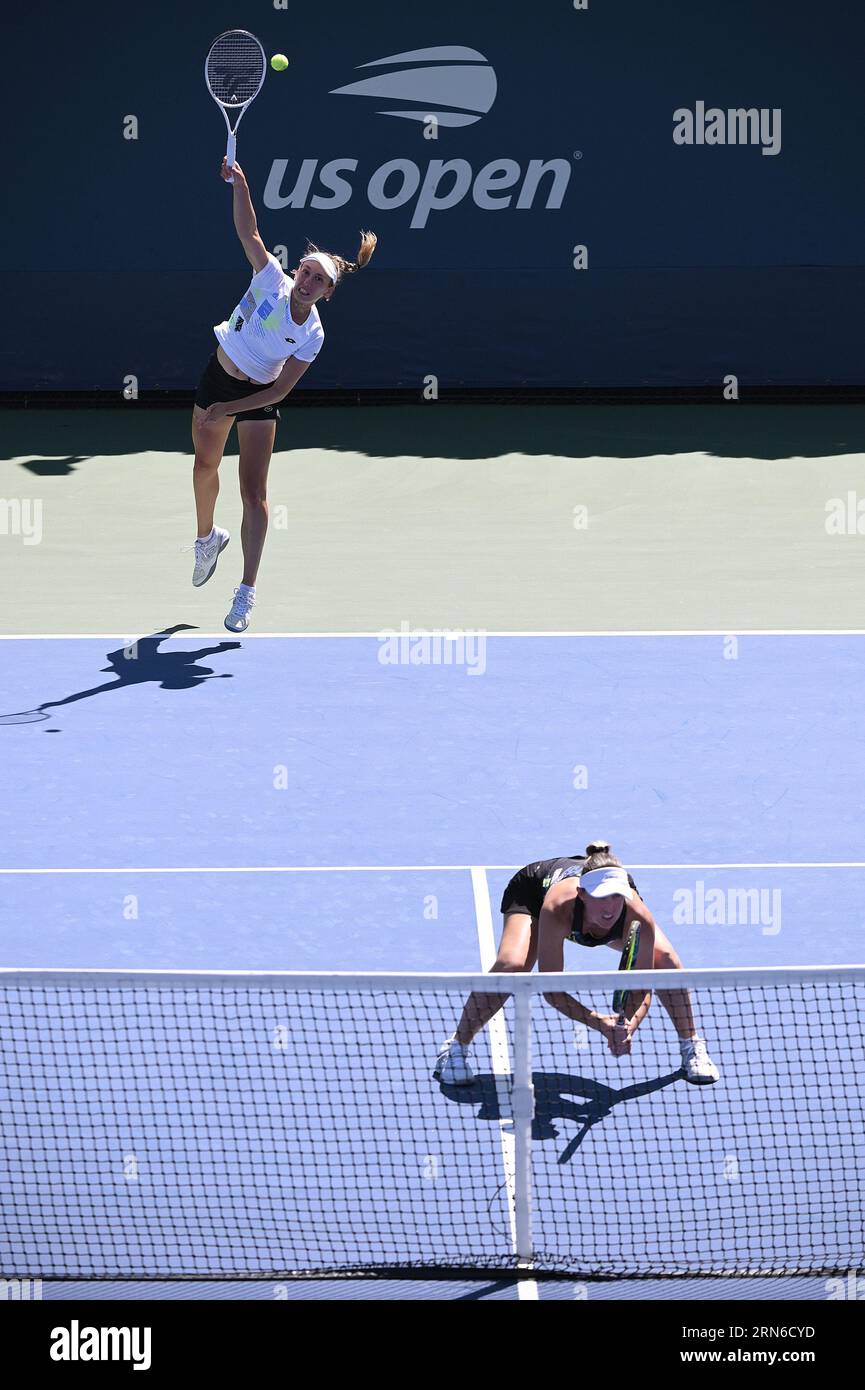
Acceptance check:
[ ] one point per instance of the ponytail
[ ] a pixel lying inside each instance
(599, 856)
(368, 242)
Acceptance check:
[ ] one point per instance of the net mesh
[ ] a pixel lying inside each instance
(235, 68)
(247, 1132)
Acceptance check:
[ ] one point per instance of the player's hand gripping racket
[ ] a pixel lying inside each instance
(627, 962)
(234, 72)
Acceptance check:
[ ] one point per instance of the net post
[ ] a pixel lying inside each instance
(523, 1110)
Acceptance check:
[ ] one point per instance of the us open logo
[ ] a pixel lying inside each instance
(450, 87)
(457, 87)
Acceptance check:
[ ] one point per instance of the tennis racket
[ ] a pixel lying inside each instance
(629, 956)
(234, 72)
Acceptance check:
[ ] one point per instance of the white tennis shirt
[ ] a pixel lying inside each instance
(260, 335)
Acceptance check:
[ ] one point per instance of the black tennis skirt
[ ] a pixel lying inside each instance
(217, 384)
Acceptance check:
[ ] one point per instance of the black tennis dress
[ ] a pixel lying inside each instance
(528, 888)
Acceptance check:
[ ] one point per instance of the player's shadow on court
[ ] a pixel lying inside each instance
(558, 1096)
(143, 662)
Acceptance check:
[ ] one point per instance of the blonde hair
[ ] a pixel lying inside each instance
(368, 242)
(599, 856)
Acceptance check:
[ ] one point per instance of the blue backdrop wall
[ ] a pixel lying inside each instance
(714, 243)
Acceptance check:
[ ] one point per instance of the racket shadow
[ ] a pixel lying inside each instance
(558, 1096)
(592, 1102)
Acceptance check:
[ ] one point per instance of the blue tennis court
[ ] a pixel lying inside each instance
(299, 803)
(291, 686)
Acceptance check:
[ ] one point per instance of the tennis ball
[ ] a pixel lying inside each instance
(279, 62)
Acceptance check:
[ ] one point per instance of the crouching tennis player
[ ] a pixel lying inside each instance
(263, 349)
(589, 900)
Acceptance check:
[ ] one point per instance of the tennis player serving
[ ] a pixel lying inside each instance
(593, 901)
(264, 347)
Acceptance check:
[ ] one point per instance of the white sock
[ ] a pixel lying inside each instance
(210, 537)
(246, 588)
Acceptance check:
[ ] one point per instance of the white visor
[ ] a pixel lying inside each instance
(327, 265)
(603, 883)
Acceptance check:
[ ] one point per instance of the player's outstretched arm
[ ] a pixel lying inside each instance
(554, 924)
(245, 223)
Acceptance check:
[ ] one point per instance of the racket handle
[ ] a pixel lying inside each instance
(230, 152)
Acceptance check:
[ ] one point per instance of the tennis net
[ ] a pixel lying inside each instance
(214, 1126)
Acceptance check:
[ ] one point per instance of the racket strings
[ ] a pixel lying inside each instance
(235, 69)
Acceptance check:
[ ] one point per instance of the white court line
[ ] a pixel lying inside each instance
(417, 868)
(195, 634)
(527, 1289)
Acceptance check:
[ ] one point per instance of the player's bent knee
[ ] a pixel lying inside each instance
(665, 961)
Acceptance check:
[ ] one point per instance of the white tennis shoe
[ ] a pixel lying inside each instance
(452, 1067)
(207, 552)
(696, 1062)
(238, 619)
